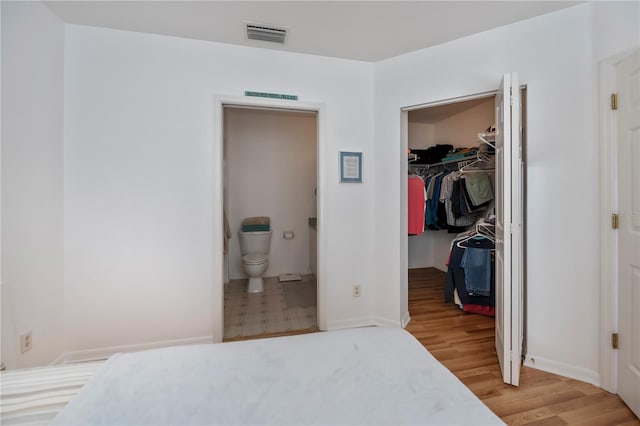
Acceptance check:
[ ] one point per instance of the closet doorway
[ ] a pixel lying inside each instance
(270, 282)
(465, 210)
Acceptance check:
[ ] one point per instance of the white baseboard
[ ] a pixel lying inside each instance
(350, 323)
(59, 360)
(368, 321)
(562, 369)
(405, 320)
(384, 322)
(104, 353)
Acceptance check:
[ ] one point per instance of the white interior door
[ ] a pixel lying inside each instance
(628, 147)
(508, 258)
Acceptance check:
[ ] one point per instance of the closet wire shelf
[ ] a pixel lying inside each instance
(487, 138)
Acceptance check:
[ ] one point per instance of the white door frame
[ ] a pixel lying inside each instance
(219, 102)
(608, 364)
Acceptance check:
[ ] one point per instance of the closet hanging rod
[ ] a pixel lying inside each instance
(444, 163)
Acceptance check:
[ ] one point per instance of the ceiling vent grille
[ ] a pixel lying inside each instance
(266, 33)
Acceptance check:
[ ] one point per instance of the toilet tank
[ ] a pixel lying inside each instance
(255, 242)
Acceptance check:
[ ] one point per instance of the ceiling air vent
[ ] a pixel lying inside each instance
(265, 33)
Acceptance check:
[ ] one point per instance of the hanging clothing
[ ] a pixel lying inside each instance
(479, 188)
(456, 277)
(454, 201)
(415, 209)
(431, 184)
(436, 219)
(465, 199)
(447, 197)
(489, 311)
(477, 276)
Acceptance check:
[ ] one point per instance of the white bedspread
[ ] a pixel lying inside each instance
(364, 376)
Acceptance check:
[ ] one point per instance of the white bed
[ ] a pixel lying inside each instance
(365, 376)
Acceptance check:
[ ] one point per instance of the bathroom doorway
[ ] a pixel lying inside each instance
(270, 181)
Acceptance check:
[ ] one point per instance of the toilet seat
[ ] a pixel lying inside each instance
(255, 259)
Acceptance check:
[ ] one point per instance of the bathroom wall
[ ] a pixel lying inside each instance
(271, 168)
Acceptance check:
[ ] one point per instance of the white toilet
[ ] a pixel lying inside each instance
(254, 247)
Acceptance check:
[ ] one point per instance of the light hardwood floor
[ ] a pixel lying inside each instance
(464, 343)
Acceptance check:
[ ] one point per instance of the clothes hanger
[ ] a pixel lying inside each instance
(474, 236)
(477, 233)
(487, 230)
(473, 166)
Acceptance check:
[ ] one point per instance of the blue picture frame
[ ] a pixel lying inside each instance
(350, 167)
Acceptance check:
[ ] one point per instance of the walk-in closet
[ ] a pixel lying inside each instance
(456, 202)
(444, 147)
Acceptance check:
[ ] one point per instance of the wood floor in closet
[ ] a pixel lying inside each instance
(464, 343)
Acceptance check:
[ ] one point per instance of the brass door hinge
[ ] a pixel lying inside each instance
(614, 340)
(614, 101)
(614, 221)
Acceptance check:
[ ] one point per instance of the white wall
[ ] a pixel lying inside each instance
(457, 129)
(420, 135)
(32, 182)
(271, 163)
(139, 181)
(616, 28)
(138, 177)
(553, 54)
(461, 130)
(420, 250)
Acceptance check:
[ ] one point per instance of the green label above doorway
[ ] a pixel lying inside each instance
(271, 95)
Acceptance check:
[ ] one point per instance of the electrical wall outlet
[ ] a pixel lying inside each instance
(356, 291)
(25, 342)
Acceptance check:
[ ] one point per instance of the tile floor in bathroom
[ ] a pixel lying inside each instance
(279, 308)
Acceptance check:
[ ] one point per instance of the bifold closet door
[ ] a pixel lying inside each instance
(508, 255)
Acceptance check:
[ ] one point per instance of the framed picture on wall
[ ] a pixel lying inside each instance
(350, 167)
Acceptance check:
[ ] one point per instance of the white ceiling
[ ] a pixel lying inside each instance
(362, 30)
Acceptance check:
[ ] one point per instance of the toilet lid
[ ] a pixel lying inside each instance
(255, 258)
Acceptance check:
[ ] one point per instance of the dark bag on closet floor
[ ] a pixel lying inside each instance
(431, 155)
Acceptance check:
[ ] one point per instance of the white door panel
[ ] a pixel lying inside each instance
(628, 147)
(508, 282)
(502, 347)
